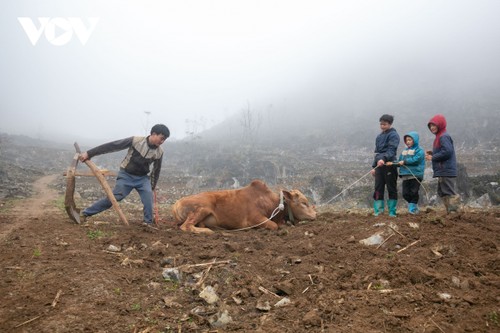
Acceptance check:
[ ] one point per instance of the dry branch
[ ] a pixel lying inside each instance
(265, 291)
(56, 299)
(205, 275)
(397, 232)
(206, 264)
(406, 247)
(28, 321)
(385, 241)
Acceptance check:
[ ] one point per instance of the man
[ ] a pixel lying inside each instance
(134, 169)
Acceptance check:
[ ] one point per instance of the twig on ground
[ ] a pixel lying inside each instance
(28, 321)
(203, 278)
(207, 264)
(437, 325)
(56, 299)
(406, 247)
(397, 232)
(385, 241)
(265, 291)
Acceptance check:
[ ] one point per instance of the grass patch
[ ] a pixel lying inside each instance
(37, 252)
(493, 317)
(95, 234)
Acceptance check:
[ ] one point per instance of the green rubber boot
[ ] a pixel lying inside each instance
(378, 207)
(392, 204)
(413, 208)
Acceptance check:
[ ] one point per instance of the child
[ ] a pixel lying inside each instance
(412, 162)
(444, 164)
(386, 146)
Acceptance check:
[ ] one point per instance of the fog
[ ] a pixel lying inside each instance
(193, 64)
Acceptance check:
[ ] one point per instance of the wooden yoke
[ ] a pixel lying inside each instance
(97, 173)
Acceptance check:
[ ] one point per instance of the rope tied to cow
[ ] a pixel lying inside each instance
(281, 207)
(369, 172)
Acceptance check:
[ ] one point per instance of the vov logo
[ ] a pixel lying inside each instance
(58, 30)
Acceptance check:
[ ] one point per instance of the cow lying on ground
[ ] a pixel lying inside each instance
(250, 206)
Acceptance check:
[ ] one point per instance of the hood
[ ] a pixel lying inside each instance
(440, 121)
(414, 136)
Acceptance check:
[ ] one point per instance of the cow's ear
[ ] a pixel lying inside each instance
(287, 195)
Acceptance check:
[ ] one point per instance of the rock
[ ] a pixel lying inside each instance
(263, 305)
(172, 274)
(113, 248)
(444, 296)
(209, 295)
(312, 318)
(167, 262)
(455, 281)
(351, 239)
(221, 319)
(285, 287)
(374, 239)
(282, 302)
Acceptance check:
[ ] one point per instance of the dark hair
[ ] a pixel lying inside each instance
(387, 118)
(161, 129)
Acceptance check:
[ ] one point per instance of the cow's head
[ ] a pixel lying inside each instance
(300, 207)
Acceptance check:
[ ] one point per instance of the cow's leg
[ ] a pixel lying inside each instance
(193, 219)
(271, 225)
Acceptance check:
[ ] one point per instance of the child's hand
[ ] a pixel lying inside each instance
(389, 163)
(401, 162)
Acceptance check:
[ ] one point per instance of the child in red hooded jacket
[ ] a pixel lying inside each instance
(444, 163)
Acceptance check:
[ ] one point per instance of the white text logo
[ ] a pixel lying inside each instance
(58, 30)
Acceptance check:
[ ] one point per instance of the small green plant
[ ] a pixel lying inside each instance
(378, 286)
(493, 317)
(94, 234)
(390, 255)
(117, 291)
(171, 285)
(37, 252)
(59, 203)
(135, 307)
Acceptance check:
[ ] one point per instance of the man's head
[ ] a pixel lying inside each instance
(159, 133)
(386, 122)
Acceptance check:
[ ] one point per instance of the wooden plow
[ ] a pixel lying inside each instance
(71, 173)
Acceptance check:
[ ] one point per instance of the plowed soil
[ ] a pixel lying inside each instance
(432, 273)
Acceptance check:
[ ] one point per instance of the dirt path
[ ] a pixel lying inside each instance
(27, 209)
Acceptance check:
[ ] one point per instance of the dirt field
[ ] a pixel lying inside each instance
(62, 277)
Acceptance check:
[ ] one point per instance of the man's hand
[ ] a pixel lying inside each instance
(380, 163)
(372, 172)
(84, 156)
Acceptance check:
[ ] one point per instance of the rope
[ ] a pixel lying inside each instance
(275, 212)
(348, 187)
(422, 185)
(369, 172)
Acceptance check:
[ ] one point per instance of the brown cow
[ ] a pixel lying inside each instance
(248, 207)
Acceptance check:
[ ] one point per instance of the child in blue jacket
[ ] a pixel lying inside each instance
(412, 166)
(384, 171)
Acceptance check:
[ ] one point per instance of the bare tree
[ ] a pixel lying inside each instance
(251, 123)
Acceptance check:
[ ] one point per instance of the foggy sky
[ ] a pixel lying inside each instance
(200, 62)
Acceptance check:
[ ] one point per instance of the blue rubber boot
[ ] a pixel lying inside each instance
(378, 207)
(392, 204)
(413, 208)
